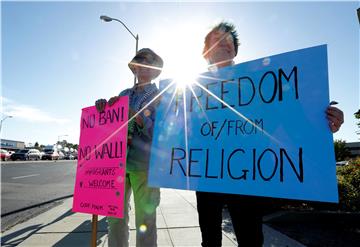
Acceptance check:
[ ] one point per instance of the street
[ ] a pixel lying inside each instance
(28, 183)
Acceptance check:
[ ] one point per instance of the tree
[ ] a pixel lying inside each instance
(37, 146)
(341, 151)
(357, 116)
(71, 145)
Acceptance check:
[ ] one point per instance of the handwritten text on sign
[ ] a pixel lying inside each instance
(256, 128)
(100, 176)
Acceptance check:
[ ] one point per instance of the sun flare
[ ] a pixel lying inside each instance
(184, 80)
(182, 53)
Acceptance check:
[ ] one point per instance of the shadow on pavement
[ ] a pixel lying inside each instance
(13, 239)
(81, 236)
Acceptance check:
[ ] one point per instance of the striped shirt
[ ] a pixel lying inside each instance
(141, 138)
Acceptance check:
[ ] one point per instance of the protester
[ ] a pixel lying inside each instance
(220, 48)
(146, 66)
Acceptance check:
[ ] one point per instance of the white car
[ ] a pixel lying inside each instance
(34, 154)
(61, 155)
(342, 163)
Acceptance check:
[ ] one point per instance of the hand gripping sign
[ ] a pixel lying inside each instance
(101, 169)
(257, 128)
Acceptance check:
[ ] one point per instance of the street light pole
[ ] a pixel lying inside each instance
(108, 19)
(2, 120)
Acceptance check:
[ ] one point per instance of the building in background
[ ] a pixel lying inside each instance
(12, 145)
(354, 149)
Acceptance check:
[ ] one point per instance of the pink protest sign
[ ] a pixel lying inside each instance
(101, 169)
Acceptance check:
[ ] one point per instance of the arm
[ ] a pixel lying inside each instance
(114, 99)
(145, 122)
(148, 119)
(100, 104)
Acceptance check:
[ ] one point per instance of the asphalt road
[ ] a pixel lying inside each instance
(27, 183)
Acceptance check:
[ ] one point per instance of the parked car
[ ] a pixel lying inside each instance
(50, 155)
(342, 163)
(34, 154)
(61, 155)
(69, 156)
(20, 155)
(4, 155)
(75, 154)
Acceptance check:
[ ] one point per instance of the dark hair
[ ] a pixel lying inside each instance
(224, 27)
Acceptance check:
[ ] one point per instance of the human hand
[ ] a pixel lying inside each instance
(335, 118)
(138, 119)
(113, 100)
(100, 105)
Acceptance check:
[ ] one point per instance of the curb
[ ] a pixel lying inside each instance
(36, 205)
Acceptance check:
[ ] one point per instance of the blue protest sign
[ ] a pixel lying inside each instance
(256, 128)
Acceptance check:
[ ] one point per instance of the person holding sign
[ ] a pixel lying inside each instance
(146, 66)
(220, 48)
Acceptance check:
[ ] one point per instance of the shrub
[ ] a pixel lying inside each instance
(341, 151)
(348, 178)
(349, 185)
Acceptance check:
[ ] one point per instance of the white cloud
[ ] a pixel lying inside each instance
(29, 113)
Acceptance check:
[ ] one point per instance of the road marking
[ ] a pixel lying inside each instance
(32, 175)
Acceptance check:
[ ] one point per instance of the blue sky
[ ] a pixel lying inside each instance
(59, 57)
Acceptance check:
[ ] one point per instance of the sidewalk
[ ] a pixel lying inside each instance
(177, 223)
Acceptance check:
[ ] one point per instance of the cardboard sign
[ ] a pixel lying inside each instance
(100, 175)
(257, 128)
